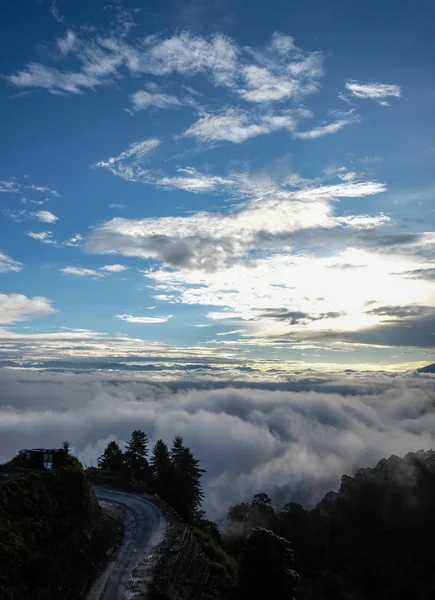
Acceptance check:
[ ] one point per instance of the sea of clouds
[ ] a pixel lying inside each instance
(290, 438)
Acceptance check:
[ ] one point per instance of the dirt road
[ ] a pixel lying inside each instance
(130, 571)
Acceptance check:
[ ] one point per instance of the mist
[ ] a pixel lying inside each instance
(250, 438)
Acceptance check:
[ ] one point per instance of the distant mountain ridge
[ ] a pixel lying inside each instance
(427, 369)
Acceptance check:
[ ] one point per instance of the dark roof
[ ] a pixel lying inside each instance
(43, 450)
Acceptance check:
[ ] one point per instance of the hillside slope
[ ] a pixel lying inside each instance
(427, 369)
(53, 535)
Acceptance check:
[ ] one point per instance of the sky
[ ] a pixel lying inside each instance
(243, 187)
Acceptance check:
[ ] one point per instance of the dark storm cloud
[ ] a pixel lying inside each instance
(425, 274)
(327, 240)
(297, 317)
(344, 266)
(404, 326)
(399, 312)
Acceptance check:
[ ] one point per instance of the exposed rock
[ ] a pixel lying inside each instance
(183, 570)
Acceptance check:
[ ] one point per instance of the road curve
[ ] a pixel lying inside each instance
(127, 576)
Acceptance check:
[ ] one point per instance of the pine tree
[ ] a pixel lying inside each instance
(162, 470)
(177, 451)
(266, 567)
(112, 458)
(135, 456)
(192, 473)
(188, 493)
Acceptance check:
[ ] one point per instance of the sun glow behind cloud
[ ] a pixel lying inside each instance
(234, 214)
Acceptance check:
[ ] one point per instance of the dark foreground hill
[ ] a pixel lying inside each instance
(53, 535)
(427, 369)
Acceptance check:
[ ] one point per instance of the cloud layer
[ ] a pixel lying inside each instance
(294, 445)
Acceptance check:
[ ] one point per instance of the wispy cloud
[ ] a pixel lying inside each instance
(45, 216)
(67, 43)
(236, 125)
(329, 128)
(46, 237)
(8, 264)
(276, 72)
(13, 186)
(100, 272)
(143, 320)
(128, 164)
(114, 268)
(9, 187)
(54, 10)
(80, 272)
(282, 71)
(427, 274)
(192, 181)
(142, 100)
(75, 240)
(209, 241)
(17, 307)
(103, 57)
(374, 91)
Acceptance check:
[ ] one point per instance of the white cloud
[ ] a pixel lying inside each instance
(142, 100)
(67, 43)
(192, 181)
(85, 345)
(333, 127)
(17, 307)
(143, 320)
(46, 237)
(8, 264)
(36, 75)
(249, 440)
(279, 71)
(354, 189)
(45, 216)
(189, 55)
(211, 241)
(263, 86)
(374, 91)
(102, 59)
(80, 272)
(43, 190)
(222, 315)
(128, 164)
(15, 187)
(296, 284)
(84, 272)
(236, 125)
(9, 187)
(20, 214)
(75, 240)
(54, 10)
(117, 206)
(113, 268)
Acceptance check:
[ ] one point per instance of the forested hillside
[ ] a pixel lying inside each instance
(371, 540)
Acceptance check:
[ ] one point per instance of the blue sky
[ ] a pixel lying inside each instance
(234, 183)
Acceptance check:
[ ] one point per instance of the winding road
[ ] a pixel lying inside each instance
(129, 573)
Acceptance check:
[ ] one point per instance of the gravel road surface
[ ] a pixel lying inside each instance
(130, 571)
